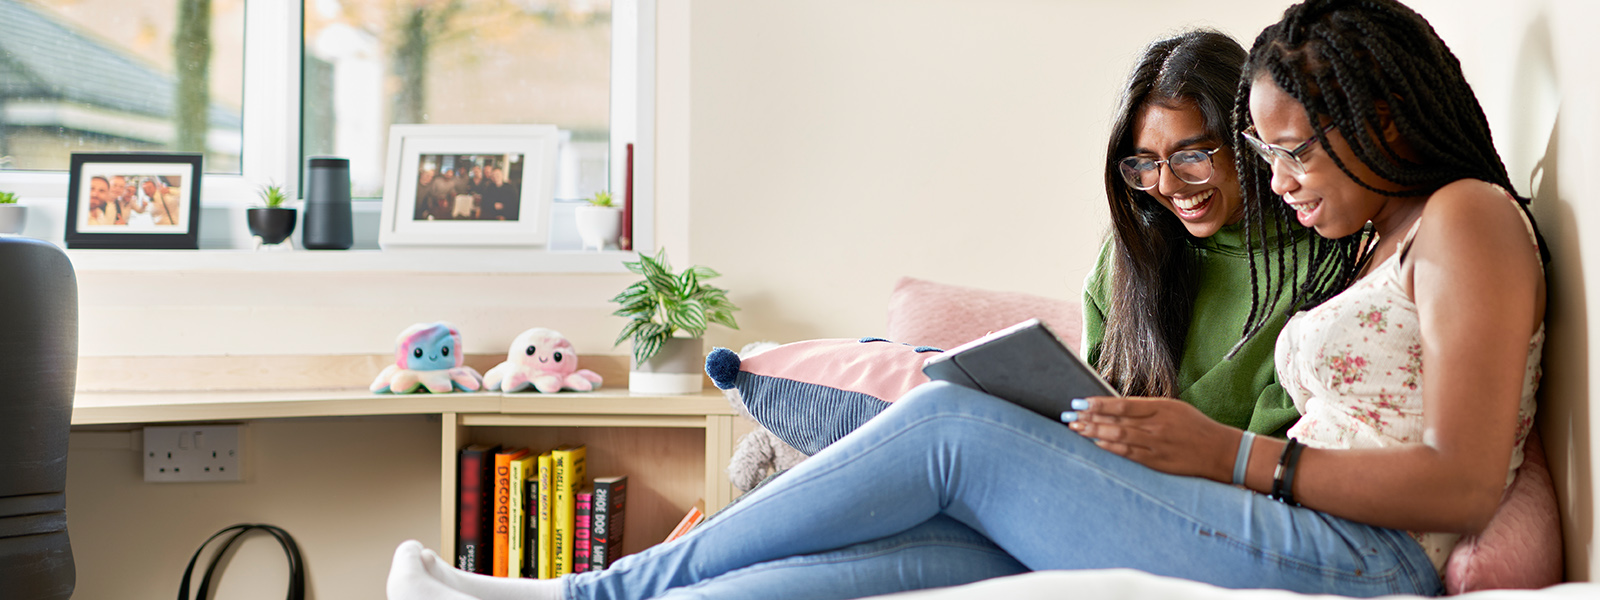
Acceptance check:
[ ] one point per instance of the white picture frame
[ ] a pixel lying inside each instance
(445, 208)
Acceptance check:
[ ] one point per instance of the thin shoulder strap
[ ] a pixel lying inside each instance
(1405, 244)
(1533, 237)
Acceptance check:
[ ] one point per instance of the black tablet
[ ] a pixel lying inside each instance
(1025, 364)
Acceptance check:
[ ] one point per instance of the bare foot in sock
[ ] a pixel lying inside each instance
(409, 578)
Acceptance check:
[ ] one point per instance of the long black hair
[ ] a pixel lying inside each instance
(1153, 274)
(1363, 66)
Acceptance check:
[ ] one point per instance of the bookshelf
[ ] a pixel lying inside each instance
(675, 449)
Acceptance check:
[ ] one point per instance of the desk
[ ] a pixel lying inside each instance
(642, 429)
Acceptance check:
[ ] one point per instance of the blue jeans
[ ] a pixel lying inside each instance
(1042, 494)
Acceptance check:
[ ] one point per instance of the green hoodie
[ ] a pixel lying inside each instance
(1242, 392)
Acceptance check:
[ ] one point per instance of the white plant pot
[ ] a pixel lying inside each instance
(679, 368)
(13, 217)
(598, 226)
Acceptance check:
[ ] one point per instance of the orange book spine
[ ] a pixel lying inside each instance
(502, 510)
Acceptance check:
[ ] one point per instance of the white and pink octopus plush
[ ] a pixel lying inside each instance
(542, 359)
(428, 356)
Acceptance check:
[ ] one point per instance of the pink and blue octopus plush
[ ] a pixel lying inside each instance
(428, 356)
(544, 360)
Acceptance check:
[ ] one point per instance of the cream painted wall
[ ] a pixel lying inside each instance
(813, 152)
(841, 144)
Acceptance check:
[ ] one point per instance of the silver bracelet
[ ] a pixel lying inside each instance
(1241, 461)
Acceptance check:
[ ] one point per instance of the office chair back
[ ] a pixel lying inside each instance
(38, 374)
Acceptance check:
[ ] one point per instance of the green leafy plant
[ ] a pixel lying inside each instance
(273, 196)
(601, 198)
(8, 198)
(664, 303)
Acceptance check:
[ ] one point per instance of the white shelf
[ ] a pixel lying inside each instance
(411, 260)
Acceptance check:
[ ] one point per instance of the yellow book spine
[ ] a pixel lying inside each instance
(546, 534)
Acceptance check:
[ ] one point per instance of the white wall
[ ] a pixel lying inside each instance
(816, 151)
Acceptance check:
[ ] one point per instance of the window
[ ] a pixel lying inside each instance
(121, 75)
(369, 64)
(319, 77)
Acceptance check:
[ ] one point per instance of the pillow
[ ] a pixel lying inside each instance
(1521, 548)
(812, 393)
(945, 316)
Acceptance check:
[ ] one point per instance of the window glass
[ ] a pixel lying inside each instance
(120, 75)
(369, 64)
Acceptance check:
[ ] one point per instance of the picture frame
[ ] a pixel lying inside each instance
(134, 200)
(468, 185)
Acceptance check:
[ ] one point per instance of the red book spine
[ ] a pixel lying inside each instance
(474, 552)
(583, 508)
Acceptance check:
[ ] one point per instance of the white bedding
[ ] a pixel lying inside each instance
(1128, 584)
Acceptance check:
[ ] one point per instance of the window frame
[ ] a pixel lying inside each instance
(274, 42)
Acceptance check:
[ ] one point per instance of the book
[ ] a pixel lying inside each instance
(501, 529)
(530, 503)
(605, 525)
(582, 510)
(521, 466)
(697, 513)
(569, 470)
(546, 567)
(1025, 364)
(474, 496)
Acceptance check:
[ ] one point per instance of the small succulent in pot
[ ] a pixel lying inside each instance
(273, 223)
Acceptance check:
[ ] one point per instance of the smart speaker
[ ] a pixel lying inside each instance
(327, 220)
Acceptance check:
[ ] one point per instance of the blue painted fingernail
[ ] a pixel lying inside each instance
(1069, 416)
(1080, 404)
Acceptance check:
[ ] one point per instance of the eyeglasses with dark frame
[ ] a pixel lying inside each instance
(1189, 166)
(1292, 158)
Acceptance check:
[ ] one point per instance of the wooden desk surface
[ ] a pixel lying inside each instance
(97, 408)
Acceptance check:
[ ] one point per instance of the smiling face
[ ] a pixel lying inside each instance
(1161, 129)
(545, 351)
(1325, 198)
(429, 347)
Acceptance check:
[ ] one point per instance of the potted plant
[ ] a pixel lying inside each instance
(667, 313)
(13, 216)
(599, 221)
(274, 222)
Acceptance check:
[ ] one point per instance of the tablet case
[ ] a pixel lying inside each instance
(1025, 364)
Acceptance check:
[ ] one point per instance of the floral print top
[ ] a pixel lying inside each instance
(1353, 366)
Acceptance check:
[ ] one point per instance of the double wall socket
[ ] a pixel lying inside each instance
(199, 453)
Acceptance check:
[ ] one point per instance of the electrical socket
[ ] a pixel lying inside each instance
(198, 453)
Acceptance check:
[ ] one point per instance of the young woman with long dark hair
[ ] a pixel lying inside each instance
(1171, 287)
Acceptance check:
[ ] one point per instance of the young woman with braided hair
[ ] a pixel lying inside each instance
(1389, 462)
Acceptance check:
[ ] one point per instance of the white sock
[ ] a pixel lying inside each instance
(484, 587)
(409, 578)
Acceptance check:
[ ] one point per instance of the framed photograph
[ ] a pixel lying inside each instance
(134, 200)
(468, 185)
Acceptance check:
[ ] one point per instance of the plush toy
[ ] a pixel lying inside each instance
(542, 359)
(427, 356)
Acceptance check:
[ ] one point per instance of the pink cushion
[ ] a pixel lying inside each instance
(1521, 548)
(944, 316)
(812, 393)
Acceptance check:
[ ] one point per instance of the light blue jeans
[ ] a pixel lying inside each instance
(950, 486)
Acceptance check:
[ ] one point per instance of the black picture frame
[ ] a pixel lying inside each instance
(153, 186)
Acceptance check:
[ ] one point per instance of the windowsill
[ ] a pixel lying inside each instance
(408, 260)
